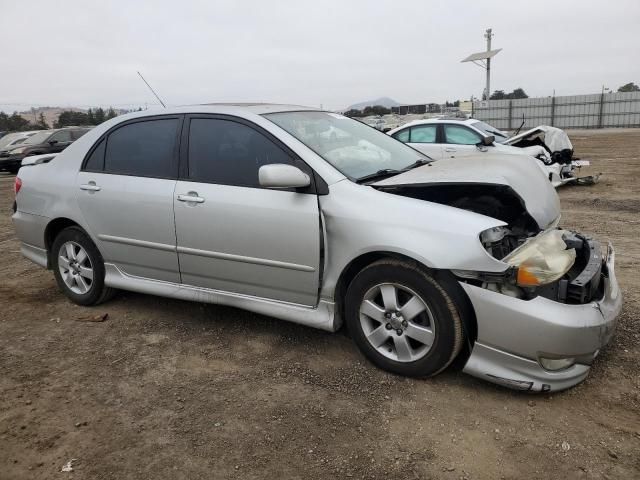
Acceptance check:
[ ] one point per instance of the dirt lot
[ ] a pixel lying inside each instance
(168, 389)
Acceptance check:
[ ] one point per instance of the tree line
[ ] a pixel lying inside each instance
(520, 93)
(91, 117)
(94, 116)
(15, 123)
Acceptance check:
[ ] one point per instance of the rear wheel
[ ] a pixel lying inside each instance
(79, 268)
(404, 318)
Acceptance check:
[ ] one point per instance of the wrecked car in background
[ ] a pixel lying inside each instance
(559, 153)
(444, 138)
(316, 218)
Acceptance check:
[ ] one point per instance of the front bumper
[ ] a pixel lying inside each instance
(10, 162)
(513, 334)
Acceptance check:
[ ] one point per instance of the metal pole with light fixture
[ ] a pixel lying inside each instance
(483, 60)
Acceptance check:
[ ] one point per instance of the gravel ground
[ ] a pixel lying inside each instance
(165, 389)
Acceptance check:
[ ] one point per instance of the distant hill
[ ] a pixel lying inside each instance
(384, 101)
(51, 114)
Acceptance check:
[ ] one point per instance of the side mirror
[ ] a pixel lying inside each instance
(53, 142)
(488, 141)
(280, 175)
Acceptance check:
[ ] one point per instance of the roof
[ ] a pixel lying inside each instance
(466, 121)
(259, 108)
(237, 109)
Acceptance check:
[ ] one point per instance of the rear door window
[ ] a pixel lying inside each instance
(424, 134)
(63, 136)
(402, 135)
(76, 134)
(143, 149)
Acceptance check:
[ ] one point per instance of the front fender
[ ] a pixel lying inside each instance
(360, 219)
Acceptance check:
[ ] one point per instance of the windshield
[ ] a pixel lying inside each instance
(37, 138)
(489, 130)
(355, 149)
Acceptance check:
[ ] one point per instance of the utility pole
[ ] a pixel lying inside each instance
(483, 60)
(488, 36)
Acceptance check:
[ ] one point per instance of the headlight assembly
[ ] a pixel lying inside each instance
(16, 151)
(542, 259)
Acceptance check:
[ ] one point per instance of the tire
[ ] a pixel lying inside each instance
(73, 276)
(427, 311)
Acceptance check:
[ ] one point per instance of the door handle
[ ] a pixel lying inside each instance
(91, 187)
(450, 150)
(191, 197)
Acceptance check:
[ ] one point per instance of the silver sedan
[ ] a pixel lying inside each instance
(318, 219)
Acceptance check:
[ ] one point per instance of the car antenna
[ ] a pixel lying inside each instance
(152, 90)
(521, 125)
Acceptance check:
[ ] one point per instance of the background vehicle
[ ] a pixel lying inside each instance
(45, 141)
(255, 207)
(12, 139)
(445, 138)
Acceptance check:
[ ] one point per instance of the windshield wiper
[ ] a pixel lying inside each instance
(385, 172)
(418, 163)
(389, 172)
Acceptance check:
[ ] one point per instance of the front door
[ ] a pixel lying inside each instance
(125, 192)
(234, 235)
(59, 141)
(460, 141)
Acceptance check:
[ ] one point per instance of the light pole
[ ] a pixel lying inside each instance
(483, 60)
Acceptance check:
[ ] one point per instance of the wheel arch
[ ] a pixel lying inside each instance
(469, 321)
(51, 231)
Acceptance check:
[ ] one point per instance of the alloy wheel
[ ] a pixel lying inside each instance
(397, 322)
(75, 267)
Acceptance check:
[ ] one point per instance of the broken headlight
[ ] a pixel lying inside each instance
(542, 259)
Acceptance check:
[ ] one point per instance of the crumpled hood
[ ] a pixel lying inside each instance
(554, 138)
(519, 172)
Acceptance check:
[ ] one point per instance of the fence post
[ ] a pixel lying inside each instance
(601, 110)
(510, 110)
(553, 110)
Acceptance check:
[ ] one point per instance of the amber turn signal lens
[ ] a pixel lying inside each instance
(526, 278)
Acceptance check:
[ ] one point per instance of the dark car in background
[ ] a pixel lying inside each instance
(47, 141)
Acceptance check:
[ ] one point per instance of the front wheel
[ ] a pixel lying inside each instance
(79, 268)
(403, 318)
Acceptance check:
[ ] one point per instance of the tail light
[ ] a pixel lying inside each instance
(18, 185)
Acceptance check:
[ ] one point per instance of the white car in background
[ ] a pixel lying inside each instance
(444, 138)
(11, 140)
(378, 123)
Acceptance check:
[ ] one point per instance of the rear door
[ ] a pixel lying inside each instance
(460, 141)
(234, 235)
(125, 191)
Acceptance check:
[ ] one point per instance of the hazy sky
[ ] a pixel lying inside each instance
(335, 53)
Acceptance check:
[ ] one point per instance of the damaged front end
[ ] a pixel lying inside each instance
(559, 265)
(557, 154)
(542, 320)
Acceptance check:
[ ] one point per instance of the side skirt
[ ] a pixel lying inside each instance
(322, 316)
